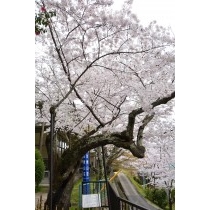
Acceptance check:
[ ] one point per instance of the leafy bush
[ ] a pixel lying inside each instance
(138, 180)
(149, 194)
(157, 196)
(39, 168)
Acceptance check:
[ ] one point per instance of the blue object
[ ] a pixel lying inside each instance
(86, 173)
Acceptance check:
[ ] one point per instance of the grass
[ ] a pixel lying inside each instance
(41, 189)
(75, 195)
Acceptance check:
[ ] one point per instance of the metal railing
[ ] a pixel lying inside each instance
(117, 203)
(94, 187)
(127, 205)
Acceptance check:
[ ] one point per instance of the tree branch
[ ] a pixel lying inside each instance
(89, 108)
(134, 113)
(145, 122)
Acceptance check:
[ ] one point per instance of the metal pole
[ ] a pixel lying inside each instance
(105, 176)
(52, 115)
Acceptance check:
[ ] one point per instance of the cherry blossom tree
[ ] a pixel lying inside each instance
(99, 68)
(159, 162)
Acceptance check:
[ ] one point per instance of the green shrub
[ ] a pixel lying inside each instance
(173, 195)
(37, 154)
(138, 180)
(157, 196)
(149, 194)
(39, 168)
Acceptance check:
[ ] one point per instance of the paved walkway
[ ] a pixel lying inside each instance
(132, 194)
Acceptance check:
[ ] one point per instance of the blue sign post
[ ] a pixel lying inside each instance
(86, 173)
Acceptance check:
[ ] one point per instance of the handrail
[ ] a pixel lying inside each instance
(118, 203)
(130, 204)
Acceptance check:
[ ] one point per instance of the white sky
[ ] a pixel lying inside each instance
(163, 11)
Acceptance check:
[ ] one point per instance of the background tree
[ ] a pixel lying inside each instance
(124, 161)
(39, 168)
(101, 68)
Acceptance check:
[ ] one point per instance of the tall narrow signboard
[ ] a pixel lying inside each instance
(86, 173)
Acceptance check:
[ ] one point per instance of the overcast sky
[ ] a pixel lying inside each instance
(163, 11)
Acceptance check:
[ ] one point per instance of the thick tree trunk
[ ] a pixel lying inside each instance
(65, 169)
(66, 195)
(63, 190)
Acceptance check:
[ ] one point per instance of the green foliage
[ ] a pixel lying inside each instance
(42, 20)
(157, 196)
(75, 194)
(37, 154)
(39, 168)
(173, 195)
(149, 194)
(138, 180)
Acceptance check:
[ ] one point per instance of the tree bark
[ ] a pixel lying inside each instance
(100, 165)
